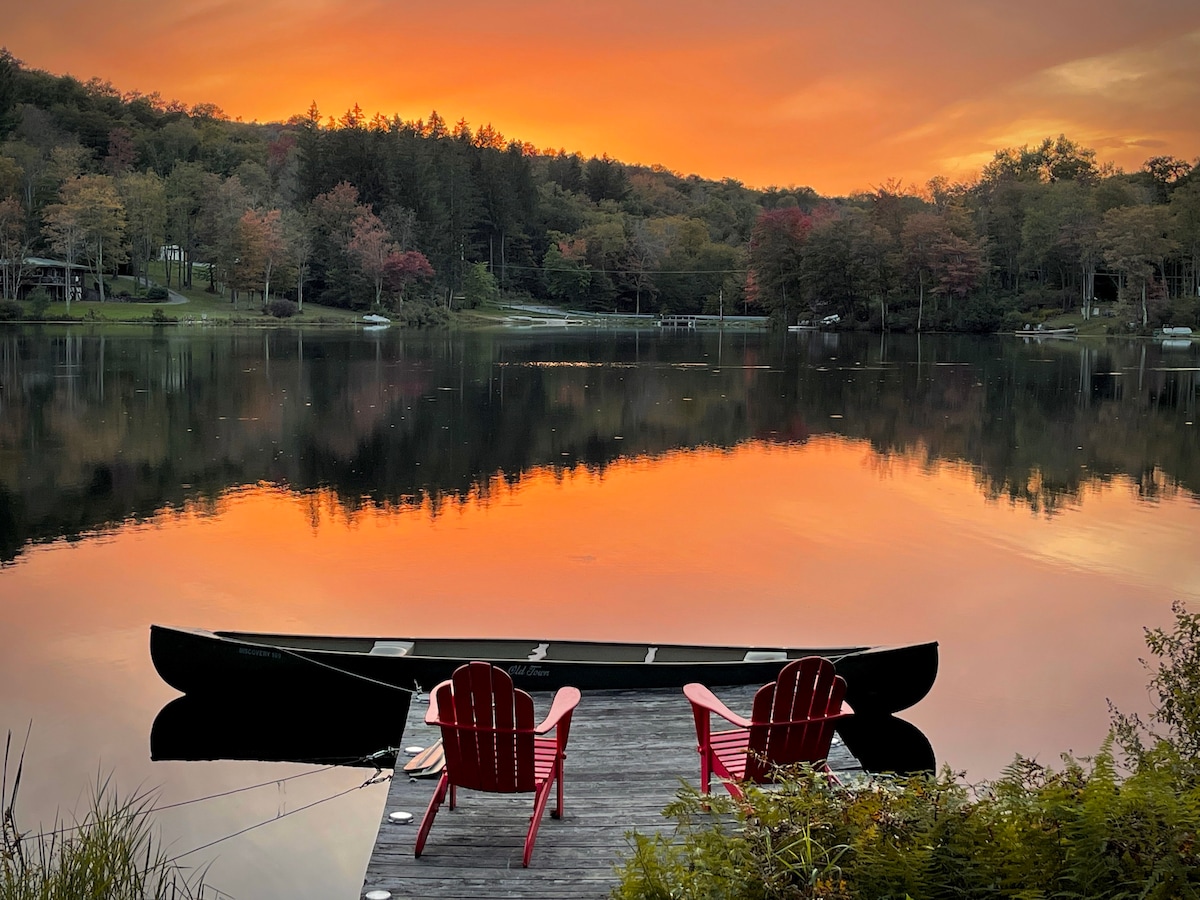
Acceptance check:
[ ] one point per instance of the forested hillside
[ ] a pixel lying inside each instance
(375, 212)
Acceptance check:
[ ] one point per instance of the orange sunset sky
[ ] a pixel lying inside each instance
(836, 96)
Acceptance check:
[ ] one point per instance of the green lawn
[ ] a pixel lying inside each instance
(201, 306)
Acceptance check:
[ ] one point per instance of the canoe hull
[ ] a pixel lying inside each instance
(204, 663)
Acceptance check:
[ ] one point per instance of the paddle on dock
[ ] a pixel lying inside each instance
(429, 761)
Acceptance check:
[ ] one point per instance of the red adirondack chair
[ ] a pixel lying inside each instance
(791, 722)
(492, 743)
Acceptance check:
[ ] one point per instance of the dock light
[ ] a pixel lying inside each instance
(400, 817)
(379, 895)
(413, 751)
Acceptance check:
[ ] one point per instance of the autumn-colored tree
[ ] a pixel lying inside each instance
(1185, 228)
(262, 249)
(297, 234)
(644, 250)
(145, 198)
(371, 245)
(64, 232)
(940, 259)
(777, 260)
(185, 189)
(245, 270)
(1136, 241)
(404, 267)
(565, 274)
(224, 203)
(121, 152)
(14, 245)
(88, 222)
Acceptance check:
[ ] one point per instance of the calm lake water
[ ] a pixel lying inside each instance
(1030, 506)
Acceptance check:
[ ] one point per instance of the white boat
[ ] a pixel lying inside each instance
(1042, 331)
(376, 319)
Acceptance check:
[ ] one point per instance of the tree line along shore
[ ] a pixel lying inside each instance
(418, 219)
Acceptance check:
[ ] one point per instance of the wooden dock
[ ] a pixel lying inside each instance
(627, 753)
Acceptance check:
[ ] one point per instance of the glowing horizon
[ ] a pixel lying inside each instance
(836, 99)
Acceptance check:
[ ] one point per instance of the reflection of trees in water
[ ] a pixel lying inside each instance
(107, 427)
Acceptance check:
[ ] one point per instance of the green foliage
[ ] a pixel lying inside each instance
(1035, 832)
(595, 234)
(1170, 738)
(11, 310)
(39, 302)
(281, 308)
(157, 293)
(479, 286)
(1079, 832)
(112, 853)
(422, 313)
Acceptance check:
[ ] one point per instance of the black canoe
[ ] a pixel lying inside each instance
(879, 680)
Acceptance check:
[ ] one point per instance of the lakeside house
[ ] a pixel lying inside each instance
(58, 278)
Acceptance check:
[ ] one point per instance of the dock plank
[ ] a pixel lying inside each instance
(627, 754)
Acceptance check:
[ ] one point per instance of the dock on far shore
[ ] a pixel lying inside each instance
(627, 754)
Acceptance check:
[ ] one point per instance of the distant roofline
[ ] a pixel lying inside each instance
(46, 263)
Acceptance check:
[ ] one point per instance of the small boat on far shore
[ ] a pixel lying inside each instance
(1040, 331)
(376, 319)
(879, 680)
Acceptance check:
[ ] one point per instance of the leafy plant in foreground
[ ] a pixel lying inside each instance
(1082, 831)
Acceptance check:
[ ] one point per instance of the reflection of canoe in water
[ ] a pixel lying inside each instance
(887, 744)
(331, 733)
(879, 680)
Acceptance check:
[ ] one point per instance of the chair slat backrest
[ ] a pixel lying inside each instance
(788, 719)
(487, 730)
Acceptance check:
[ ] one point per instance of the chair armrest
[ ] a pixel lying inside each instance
(565, 701)
(702, 698)
(431, 714)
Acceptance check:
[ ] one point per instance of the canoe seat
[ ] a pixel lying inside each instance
(765, 656)
(391, 648)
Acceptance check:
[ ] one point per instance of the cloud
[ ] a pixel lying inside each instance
(835, 96)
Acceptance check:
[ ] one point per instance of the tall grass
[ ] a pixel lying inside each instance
(112, 853)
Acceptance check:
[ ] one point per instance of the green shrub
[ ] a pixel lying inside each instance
(1035, 832)
(281, 308)
(157, 293)
(422, 314)
(11, 310)
(1079, 832)
(39, 302)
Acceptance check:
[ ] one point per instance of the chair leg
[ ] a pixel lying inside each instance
(539, 807)
(439, 794)
(556, 813)
(705, 770)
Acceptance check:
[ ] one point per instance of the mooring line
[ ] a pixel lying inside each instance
(376, 779)
(338, 669)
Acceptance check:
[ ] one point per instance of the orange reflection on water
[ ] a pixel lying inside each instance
(1039, 618)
